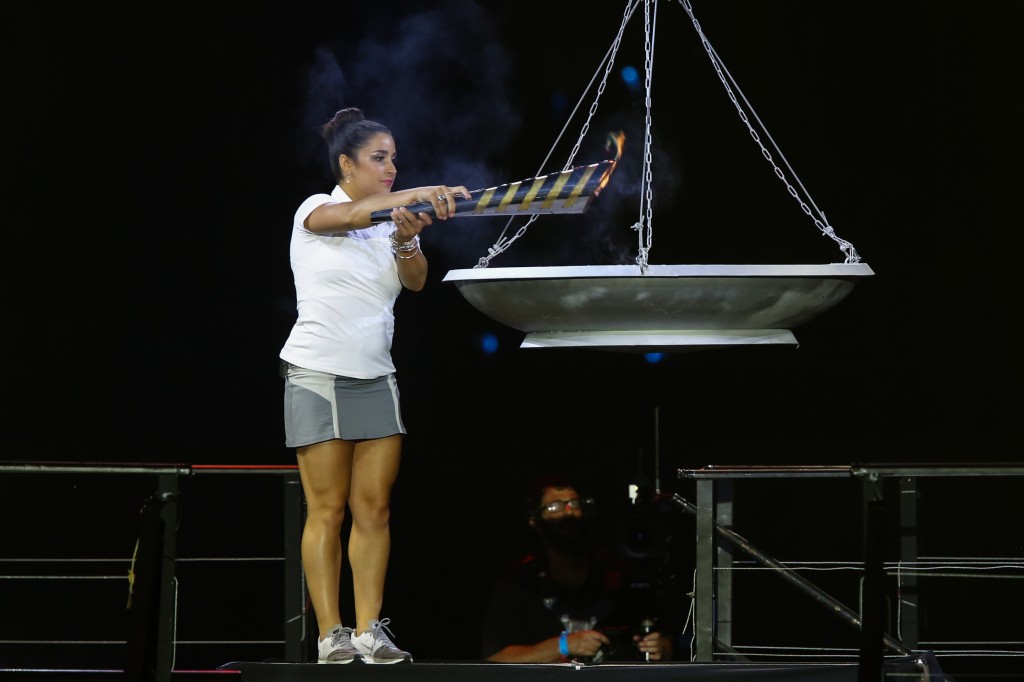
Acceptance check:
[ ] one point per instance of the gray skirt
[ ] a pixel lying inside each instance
(319, 406)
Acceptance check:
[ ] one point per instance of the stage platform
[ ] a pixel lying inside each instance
(511, 672)
(923, 668)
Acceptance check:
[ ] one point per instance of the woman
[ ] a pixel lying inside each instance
(341, 398)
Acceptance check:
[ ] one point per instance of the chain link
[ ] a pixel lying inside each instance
(645, 224)
(731, 88)
(502, 244)
(645, 238)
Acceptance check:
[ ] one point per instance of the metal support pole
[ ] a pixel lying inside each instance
(296, 650)
(704, 610)
(872, 594)
(723, 561)
(834, 606)
(165, 630)
(907, 594)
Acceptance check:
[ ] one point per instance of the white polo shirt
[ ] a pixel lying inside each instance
(345, 288)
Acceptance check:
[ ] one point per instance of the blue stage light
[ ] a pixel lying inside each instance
(630, 77)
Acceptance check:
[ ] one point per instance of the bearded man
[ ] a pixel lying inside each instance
(569, 600)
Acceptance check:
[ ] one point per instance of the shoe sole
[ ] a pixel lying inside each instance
(355, 659)
(392, 661)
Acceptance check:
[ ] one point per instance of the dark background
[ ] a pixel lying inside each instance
(153, 159)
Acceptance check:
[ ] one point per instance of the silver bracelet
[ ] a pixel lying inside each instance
(411, 255)
(404, 247)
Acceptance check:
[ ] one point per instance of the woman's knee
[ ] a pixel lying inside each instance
(371, 513)
(328, 514)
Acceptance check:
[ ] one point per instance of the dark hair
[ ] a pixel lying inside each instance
(345, 133)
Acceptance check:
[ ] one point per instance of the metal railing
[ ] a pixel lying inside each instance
(887, 569)
(150, 566)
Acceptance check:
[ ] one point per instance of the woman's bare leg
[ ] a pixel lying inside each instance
(326, 473)
(374, 470)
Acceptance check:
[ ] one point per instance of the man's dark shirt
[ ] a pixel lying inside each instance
(527, 607)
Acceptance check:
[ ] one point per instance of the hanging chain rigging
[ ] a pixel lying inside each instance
(645, 224)
(608, 63)
(732, 88)
(645, 237)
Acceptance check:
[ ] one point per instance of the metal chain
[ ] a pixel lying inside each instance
(645, 225)
(645, 239)
(502, 244)
(610, 63)
(726, 78)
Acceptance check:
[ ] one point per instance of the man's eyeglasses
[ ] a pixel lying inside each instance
(559, 506)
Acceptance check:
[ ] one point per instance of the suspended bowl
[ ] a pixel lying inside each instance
(694, 306)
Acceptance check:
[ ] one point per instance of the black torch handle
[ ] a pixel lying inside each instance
(461, 204)
(570, 191)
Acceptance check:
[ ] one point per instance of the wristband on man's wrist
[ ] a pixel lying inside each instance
(563, 643)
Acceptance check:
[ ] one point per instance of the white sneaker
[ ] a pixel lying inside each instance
(337, 647)
(376, 646)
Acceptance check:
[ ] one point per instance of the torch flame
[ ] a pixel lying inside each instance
(617, 139)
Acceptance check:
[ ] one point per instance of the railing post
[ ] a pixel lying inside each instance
(168, 490)
(704, 611)
(296, 650)
(723, 563)
(870, 668)
(150, 650)
(909, 620)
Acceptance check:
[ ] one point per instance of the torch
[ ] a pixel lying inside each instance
(569, 191)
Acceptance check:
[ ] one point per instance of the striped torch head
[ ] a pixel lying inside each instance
(569, 191)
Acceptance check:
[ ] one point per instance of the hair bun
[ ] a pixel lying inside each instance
(342, 118)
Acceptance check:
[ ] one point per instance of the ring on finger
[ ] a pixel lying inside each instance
(440, 197)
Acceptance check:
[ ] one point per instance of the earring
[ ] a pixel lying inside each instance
(348, 178)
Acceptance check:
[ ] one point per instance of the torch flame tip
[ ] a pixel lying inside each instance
(618, 139)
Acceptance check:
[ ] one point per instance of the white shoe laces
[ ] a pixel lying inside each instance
(380, 634)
